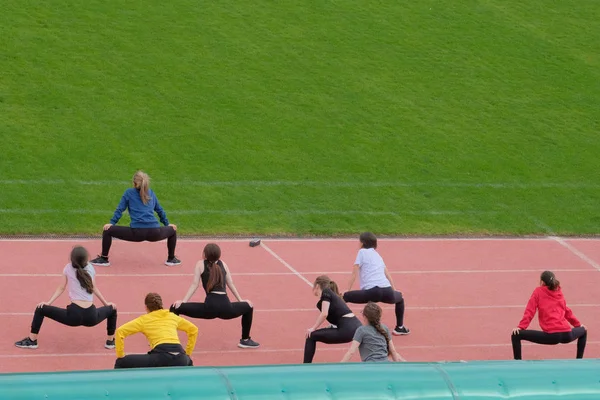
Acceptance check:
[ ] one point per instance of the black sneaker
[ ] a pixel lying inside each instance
(248, 344)
(100, 261)
(401, 331)
(27, 343)
(110, 344)
(172, 262)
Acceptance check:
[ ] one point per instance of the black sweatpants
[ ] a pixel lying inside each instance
(219, 306)
(163, 355)
(539, 337)
(74, 315)
(140, 235)
(379, 295)
(344, 333)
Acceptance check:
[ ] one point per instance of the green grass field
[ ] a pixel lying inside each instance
(303, 117)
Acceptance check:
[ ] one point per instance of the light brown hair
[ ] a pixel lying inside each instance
(141, 181)
(153, 302)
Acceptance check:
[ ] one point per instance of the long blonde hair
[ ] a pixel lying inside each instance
(141, 181)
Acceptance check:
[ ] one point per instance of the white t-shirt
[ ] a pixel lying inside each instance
(76, 291)
(371, 269)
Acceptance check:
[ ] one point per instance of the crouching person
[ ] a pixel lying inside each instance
(160, 327)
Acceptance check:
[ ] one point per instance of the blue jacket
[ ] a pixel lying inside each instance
(142, 215)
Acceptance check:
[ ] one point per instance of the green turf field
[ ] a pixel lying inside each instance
(303, 117)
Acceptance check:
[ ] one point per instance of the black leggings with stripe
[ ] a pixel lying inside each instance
(539, 337)
(219, 306)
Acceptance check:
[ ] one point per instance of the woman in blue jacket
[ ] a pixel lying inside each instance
(142, 203)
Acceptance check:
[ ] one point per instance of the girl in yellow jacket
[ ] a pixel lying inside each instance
(160, 328)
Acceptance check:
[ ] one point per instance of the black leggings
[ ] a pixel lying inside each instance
(344, 333)
(74, 315)
(379, 295)
(219, 306)
(160, 356)
(140, 235)
(540, 337)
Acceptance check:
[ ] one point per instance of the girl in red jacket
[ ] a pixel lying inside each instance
(554, 318)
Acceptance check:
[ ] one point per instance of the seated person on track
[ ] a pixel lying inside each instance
(160, 328)
(376, 284)
(336, 312)
(79, 278)
(373, 339)
(141, 202)
(554, 318)
(214, 275)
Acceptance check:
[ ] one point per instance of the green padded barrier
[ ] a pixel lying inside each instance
(489, 380)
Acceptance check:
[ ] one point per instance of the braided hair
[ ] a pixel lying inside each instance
(372, 313)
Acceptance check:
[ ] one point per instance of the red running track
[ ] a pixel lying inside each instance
(463, 297)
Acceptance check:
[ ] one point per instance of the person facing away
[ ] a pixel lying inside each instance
(142, 203)
(373, 339)
(555, 319)
(160, 328)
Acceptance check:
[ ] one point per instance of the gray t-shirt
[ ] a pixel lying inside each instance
(373, 346)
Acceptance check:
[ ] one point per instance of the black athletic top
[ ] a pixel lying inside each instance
(206, 274)
(337, 307)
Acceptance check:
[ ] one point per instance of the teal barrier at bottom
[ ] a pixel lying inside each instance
(531, 380)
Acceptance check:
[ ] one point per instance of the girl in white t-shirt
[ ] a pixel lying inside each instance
(376, 284)
(79, 279)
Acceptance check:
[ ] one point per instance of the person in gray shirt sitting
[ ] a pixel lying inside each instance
(373, 340)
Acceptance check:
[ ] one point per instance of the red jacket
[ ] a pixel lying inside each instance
(554, 315)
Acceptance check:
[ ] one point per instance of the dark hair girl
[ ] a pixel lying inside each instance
(376, 283)
(373, 340)
(555, 319)
(79, 279)
(215, 277)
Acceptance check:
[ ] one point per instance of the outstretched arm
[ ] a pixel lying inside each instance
(353, 277)
(321, 318)
(159, 210)
(99, 295)
(571, 317)
(119, 211)
(230, 284)
(192, 333)
(59, 290)
(530, 311)
(351, 351)
(194, 286)
(393, 353)
(123, 331)
(389, 278)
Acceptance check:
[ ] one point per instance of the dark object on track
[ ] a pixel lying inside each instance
(255, 242)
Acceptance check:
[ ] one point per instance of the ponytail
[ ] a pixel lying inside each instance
(372, 313)
(215, 276)
(79, 260)
(324, 282)
(334, 288)
(212, 254)
(550, 280)
(141, 181)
